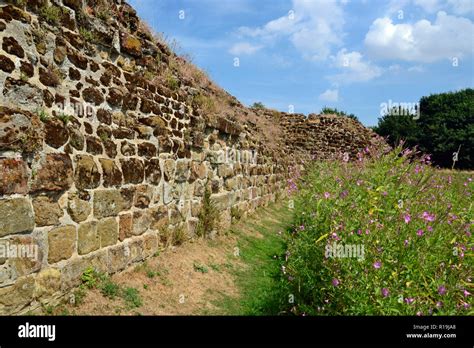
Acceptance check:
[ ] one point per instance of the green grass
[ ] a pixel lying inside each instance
(132, 297)
(200, 268)
(93, 279)
(258, 282)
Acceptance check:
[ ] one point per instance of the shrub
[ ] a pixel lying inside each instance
(414, 223)
(205, 103)
(87, 35)
(172, 82)
(331, 111)
(258, 106)
(51, 14)
(132, 297)
(446, 121)
(208, 216)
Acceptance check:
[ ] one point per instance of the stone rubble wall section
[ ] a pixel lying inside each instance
(102, 187)
(98, 164)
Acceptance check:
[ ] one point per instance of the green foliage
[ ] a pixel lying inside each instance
(109, 289)
(333, 111)
(51, 14)
(132, 297)
(87, 35)
(200, 268)
(446, 122)
(64, 118)
(208, 216)
(24, 77)
(90, 277)
(236, 214)
(43, 115)
(257, 106)
(204, 103)
(79, 295)
(171, 81)
(414, 223)
(18, 3)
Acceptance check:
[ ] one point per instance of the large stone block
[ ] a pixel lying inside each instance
(79, 206)
(153, 171)
(182, 170)
(47, 211)
(16, 216)
(107, 203)
(62, 243)
(141, 222)
(88, 239)
(169, 167)
(13, 176)
(133, 171)
(108, 231)
(47, 283)
(87, 174)
(54, 173)
(111, 172)
(125, 226)
(20, 256)
(16, 297)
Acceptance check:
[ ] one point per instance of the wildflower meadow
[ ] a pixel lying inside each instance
(386, 234)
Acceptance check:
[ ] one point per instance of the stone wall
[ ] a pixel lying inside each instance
(99, 166)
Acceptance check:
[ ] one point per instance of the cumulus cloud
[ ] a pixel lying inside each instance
(355, 68)
(244, 48)
(330, 95)
(429, 6)
(447, 37)
(312, 26)
(461, 7)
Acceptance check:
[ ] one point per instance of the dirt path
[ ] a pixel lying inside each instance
(231, 274)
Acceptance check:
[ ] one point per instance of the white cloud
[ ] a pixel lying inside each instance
(430, 6)
(416, 68)
(447, 37)
(330, 95)
(312, 26)
(355, 68)
(242, 48)
(461, 6)
(458, 7)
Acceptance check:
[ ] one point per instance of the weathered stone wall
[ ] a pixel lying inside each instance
(97, 163)
(323, 137)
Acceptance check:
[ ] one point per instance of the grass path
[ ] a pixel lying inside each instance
(234, 274)
(261, 248)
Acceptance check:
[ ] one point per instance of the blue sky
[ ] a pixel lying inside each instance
(350, 54)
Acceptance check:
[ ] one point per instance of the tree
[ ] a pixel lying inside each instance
(446, 122)
(258, 106)
(330, 111)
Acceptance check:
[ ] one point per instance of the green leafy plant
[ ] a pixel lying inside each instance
(87, 35)
(90, 277)
(200, 268)
(208, 216)
(109, 289)
(51, 14)
(132, 297)
(43, 115)
(64, 118)
(171, 81)
(257, 106)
